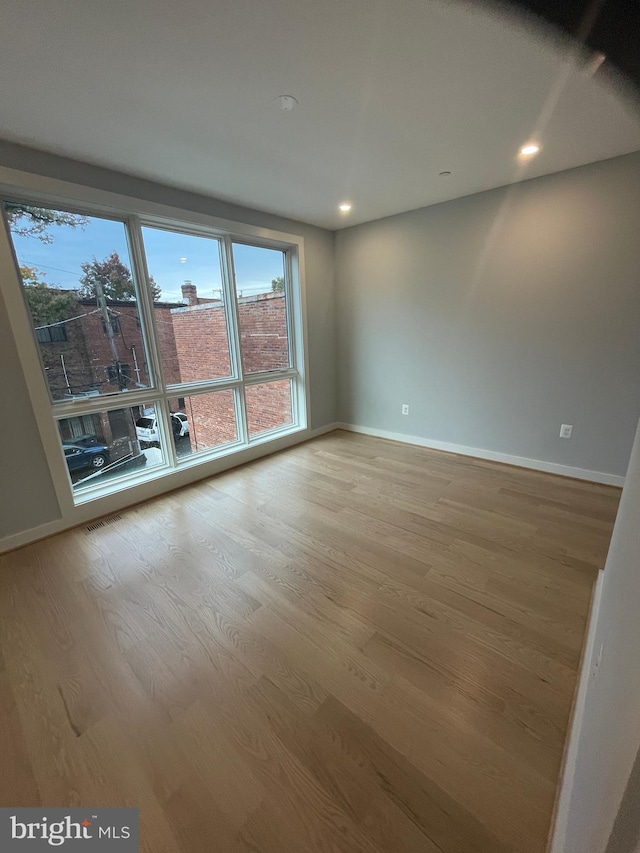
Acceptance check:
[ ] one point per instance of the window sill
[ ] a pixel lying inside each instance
(194, 460)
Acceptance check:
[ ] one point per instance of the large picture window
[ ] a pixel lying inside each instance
(161, 344)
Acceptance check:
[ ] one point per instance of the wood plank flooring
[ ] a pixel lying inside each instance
(353, 645)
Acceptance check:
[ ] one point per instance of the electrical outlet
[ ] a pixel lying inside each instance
(566, 430)
(405, 408)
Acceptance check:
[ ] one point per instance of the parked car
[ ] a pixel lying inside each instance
(147, 427)
(77, 457)
(86, 440)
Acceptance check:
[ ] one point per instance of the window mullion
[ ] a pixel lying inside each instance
(265, 376)
(291, 326)
(103, 403)
(235, 344)
(150, 334)
(145, 303)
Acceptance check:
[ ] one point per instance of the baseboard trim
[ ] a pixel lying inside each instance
(558, 829)
(33, 534)
(323, 430)
(492, 455)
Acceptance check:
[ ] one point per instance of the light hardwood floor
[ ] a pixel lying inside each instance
(354, 645)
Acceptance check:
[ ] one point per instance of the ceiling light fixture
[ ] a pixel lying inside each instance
(444, 174)
(529, 150)
(345, 207)
(287, 102)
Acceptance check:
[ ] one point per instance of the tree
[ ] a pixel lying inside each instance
(28, 221)
(115, 278)
(46, 304)
(277, 284)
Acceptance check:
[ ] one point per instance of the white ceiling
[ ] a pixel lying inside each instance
(391, 92)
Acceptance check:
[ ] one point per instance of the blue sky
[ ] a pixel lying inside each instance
(171, 258)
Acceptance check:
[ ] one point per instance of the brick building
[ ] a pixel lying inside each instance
(87, 355)
(202, 348)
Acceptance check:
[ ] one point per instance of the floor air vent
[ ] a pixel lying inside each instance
(102, 523)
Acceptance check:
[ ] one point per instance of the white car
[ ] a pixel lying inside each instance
(147, 427)
(184, 424)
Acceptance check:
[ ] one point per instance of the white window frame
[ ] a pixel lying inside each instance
(136, 486)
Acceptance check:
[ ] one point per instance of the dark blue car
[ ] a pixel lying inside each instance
(94, 456)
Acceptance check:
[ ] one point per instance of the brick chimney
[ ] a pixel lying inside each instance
(189, 293)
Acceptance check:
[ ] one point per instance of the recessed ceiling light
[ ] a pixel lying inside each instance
(287, 102)
(345, 207)
(444, 174)
(529, 150)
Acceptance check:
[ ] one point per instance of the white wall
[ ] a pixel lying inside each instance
(499, 316)
(625, 837)
(27, 497)
(609, 733)
(30, 499)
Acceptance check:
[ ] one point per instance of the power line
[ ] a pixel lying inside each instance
(69, 320)
(47, 267)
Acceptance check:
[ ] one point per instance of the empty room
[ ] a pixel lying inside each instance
(319, 479)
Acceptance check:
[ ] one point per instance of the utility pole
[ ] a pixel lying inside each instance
(106, 319)
(102, 305)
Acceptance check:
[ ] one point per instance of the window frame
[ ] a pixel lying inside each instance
(287, 272)
(134, 213)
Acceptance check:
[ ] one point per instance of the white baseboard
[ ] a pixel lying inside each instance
(494, 456)
(314, 433)
(121, 500)
(25, 537)
(559, 826)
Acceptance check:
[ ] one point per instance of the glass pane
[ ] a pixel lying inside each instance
(106, 446)
(262, 312)
(79, 287)
(203, 421)
(190, 313)
(268, 406)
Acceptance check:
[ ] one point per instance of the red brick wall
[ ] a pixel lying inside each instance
(212, 416)
(268, 405)
(127, 338)
(212, 419)
(88, 354)
(167, 343)
(203, 353)
(75, 359)
(263, 332)
(201, 342)
(202, 347)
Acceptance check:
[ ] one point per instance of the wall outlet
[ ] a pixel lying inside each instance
(566, 430)
(405, 408)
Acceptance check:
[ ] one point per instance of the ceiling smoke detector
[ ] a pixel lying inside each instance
(286, 103)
